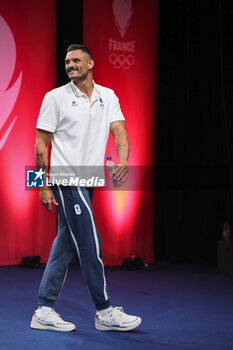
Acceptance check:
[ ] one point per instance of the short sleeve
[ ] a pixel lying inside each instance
(116, 114)
(48, 117)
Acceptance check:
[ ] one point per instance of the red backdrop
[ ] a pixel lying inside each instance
(122, 35)
(27, 71)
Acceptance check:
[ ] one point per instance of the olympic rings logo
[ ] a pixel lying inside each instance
(121, 61)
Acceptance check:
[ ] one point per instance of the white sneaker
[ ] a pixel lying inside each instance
(46, 318)
(116, 320)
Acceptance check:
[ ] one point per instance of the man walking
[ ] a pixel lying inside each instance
(76, 118)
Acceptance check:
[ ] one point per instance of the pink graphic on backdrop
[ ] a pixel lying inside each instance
(9, 96)
(122, 10)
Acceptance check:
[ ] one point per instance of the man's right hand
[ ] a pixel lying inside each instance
(47, 198)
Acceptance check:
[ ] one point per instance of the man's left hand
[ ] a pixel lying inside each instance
(121, 171)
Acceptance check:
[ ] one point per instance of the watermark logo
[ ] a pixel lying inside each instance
(35, 178)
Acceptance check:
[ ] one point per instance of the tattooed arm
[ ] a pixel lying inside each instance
(122, 147)
(43, 139)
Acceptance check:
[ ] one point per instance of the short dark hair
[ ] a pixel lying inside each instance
(79, 47)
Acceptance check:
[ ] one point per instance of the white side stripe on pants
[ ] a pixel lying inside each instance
(96, 239)
(63, 281)
(72, 235)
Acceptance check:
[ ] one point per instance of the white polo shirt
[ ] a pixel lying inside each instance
(80, 126)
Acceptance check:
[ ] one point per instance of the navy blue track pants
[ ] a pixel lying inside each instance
(77, 235)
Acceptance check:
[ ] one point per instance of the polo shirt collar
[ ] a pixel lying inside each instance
(76, 90)
(96, 95)
(96, 92)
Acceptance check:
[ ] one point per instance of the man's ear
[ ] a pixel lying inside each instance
(91, 63)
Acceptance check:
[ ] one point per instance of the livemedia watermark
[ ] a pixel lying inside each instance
(37, 179)
(139, 178)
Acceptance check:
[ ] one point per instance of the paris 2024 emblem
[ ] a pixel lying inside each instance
(122, 52)
(8, 96)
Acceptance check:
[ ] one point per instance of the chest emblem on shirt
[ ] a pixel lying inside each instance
(101, 101)
(74, 103)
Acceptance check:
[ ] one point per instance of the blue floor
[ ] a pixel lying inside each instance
(182, 307)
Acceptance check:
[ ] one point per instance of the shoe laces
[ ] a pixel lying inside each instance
(117, 311)
(118, 308)
(51, 312)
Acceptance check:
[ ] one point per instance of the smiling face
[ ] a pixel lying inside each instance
(78, 65)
